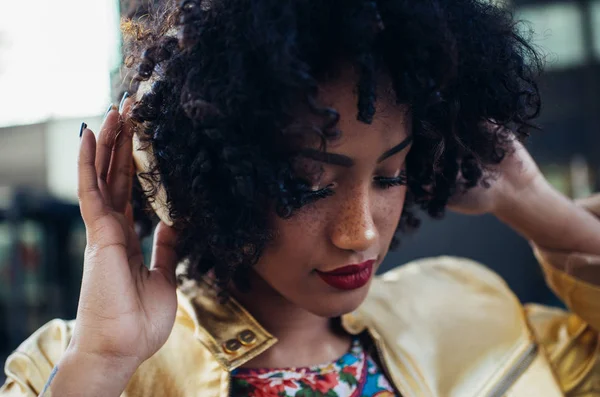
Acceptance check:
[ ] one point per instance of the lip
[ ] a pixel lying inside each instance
(349, 277)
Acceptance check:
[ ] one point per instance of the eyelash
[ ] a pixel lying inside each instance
(383, 183)
(386, 183)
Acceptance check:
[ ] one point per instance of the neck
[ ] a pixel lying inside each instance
(293, 326)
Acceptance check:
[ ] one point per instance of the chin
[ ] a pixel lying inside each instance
(339, 303)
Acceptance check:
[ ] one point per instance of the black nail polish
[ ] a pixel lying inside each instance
(108, 110)
(83, 127)
(125, 96)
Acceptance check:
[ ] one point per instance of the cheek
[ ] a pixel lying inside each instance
(294, 247)
(301, 230)
(387, 211)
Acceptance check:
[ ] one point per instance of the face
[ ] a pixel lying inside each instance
(352, 226)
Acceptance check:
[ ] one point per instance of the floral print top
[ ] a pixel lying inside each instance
(355, 374)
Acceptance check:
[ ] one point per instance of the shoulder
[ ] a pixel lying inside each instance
(446, 292)
(443, 274)
(445, 301)
(47, 343)
(30, 365)
(447, 313)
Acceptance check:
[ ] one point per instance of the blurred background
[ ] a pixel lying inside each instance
(61, 66)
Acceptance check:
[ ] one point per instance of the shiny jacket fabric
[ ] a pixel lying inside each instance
(440, 327)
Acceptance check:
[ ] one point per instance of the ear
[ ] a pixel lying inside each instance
(143, 159)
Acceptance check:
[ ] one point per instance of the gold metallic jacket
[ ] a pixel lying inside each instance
(441, 327)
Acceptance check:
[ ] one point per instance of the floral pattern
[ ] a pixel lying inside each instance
(355, 374)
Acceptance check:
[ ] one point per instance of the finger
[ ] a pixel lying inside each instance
(129, 214)
(91, 201)
(585, 267)
(591, 203)
(121, 172)
(106, 140)
(164, 255)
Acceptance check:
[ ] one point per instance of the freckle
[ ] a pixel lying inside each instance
(351, 224)
(311, 221)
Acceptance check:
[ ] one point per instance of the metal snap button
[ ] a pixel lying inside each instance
(232, 346)
(247, 337)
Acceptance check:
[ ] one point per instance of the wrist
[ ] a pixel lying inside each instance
(80, 373)
(548, 219)
(513, 201)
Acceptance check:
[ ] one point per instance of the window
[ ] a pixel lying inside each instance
(557, 32)
(595, 18)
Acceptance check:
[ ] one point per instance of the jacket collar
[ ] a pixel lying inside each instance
(226, 329)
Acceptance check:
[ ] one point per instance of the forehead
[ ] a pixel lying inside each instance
(391, 124)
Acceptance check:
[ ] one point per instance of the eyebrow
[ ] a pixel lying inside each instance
(347, 162)
(396, 149)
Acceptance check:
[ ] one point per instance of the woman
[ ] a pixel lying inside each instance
(284, 145)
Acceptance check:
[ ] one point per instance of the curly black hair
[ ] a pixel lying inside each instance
(229, 79)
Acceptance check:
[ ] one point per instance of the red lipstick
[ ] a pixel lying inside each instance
(349, 277)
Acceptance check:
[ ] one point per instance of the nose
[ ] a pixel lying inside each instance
(354, 228)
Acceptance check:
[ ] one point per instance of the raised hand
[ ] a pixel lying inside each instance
(126, 310)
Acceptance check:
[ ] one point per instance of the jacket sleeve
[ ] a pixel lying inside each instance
(28, 368)
(571, 339)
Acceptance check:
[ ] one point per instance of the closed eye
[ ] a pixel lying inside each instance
(386, 183)
(310, 195)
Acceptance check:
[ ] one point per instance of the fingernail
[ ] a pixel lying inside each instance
(83, 127)
(110, 107)
(125, 96)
